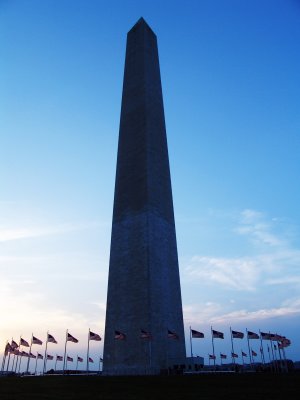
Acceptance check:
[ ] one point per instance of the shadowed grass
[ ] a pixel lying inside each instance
(200, 387)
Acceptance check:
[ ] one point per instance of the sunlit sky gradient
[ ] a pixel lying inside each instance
(231, 82)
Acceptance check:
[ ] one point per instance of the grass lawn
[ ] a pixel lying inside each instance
(206, 386)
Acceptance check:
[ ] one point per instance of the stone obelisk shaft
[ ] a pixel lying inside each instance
(143, 286)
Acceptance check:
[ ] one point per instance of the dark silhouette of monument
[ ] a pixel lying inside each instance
(144, 331)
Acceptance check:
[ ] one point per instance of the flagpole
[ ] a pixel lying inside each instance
(65, 365)
(20, 364)
(262, 348)
(8, 357)
(250, 355)
(77, 363)
(4, 357)
(191, 342)
(36, 363)
(213, 346)
(29, 354)
(45, 355)
(17, 355)
(88, 351)
(232, 358)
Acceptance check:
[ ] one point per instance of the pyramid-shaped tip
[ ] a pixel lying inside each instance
(141, 23)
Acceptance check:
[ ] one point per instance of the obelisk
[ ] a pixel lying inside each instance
(144, 292)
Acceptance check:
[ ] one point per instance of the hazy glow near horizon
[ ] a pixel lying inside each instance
(231, 83)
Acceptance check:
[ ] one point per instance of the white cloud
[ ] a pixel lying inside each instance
(213, 313)
(234, 273)
(8, 234)
(253, 224)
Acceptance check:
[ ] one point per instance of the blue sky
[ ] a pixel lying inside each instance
(231, 84)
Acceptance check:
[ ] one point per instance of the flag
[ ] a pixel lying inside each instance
(223, 356)
(32, 355)
(59, 358)
(145, 334)
(244, 354)
(49, 357)
(285, 343)
(119, 335)
(265, 336)
(16, 352)
(91, 360)
(71, 338)
(36, 340)
(51, 339)
(275, 337)
(24, 343)
(217, 334)
(39, 356)
(8, 349)
(94, 336)
(24, 354)
(79, 359)
(253, 353)
(172, 335)
(14, 345)
(212, 357)
(101, 359)
(252, 335)
(197, 334)
(237, 335)
(69, 358)
(234, 355)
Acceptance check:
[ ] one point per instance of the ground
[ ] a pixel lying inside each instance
(223, 386)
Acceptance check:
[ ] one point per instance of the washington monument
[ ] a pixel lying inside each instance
(144, 332)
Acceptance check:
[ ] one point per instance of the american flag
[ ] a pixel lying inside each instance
(244, 354)
(24, 354)
(59, 358)
(253, 353)
(91, 360)
(275, 337)
(69, 358)
(94, 336)
(265, 336)
(8, 349)
(252, 335)
(32, 355)
(71, 338)
(39, 356)
(172, 335)
(79, 359)
(212, 357)
(49, 357)
(14, 345)
(223, 356)
(36, 340)
(145, 334)
(50, 339)
(119, 335)
(234, 355)
(237, 335)
(24, 343)
(217, 334)
(197, 334)
(285, 342)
